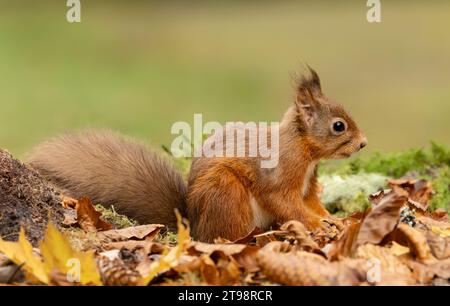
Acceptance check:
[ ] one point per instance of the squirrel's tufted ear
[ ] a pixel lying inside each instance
(308, 92)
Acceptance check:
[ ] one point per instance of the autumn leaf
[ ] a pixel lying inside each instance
(304, 242)
(21, 253)
(148, 247)
(439, 215)
(377, 223)
(382, 219)
(147, 232)
(398, 249)
(196, 248)
(440, 246)
(299, 268)
(414, 240)
(441, 232)
(391, 269)
(170, 258)
(58, 254)
(88, 218)
(419, 191)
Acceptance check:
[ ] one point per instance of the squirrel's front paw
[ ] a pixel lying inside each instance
(331, 222)
(330, 228)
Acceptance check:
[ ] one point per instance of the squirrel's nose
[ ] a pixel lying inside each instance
(363, 143)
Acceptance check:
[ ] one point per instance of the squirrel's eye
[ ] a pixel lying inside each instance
(338, 126)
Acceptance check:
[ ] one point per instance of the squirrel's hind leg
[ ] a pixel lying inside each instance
(219, 206)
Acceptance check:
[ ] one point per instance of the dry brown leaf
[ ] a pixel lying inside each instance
(228, 270)
(441, 232)
(197, 248)
(147, 232)
(398, 249)
(440, 246)
(247, 258)
(149, 247)
(245, 255)
(187, 263)
(391, 269)
(441, 268)
(424, 273)
(70, 218)
(170, 259)
(419, 191)
(382, 219)
(68, 202)
(88, 218)
(249, 237)
(414, 240)
(377, 223)
(429, 223)
(344, 247)
(376, 197)
(303, 240)
(438, 215)
(208, 270)
(303, 268)
(219, 269)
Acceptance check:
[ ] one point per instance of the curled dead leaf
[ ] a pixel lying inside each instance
(440, 246)
(438, 215)
(382, 219)
(302, 268)
(390, 269)
(376, 224)
(398, 249)
(148, 232)
(148, 247)
(419, 191)
(303, 240)
(88, 218)
(414, 240)
(245, 255)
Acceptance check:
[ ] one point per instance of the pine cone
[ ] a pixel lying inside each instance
(116, 273)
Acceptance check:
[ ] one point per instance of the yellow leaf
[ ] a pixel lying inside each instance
(169, 259)
(398, 249)
(441, 232)
(58, 254)
(21, 252)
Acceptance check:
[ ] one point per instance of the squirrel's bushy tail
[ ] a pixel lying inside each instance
(113, 170)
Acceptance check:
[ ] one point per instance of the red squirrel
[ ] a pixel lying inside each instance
(225, 196)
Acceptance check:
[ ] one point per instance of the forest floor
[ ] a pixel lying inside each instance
(393, 230)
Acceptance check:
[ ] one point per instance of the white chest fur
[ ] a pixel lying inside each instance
(261, 218)
(307, 179)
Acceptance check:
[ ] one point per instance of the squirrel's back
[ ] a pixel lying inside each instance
(113, 170)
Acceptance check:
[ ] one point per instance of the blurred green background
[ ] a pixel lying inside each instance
(139, 66)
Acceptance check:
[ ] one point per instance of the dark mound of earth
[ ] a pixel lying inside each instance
(26, 200)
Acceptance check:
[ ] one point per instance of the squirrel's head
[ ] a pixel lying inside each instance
(331, 132)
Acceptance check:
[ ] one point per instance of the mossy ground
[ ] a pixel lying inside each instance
(346, 186)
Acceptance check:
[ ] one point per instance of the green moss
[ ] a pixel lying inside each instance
(441, 186)
(344, 194)
(398, 164)
(432, 164)
(167, 237)
(118, 221)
